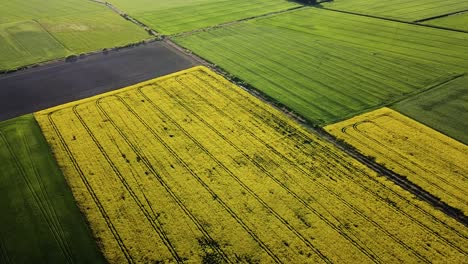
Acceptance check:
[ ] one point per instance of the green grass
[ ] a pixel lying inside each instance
(24, 43)
(328, 66)
(175, 16)
(400, 9)
(37, 31)
(40, 222)
(458, 21)
(443, 108)
(21, 10)
(93, 31)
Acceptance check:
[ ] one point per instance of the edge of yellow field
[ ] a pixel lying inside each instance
(127, 88)
(384, 110)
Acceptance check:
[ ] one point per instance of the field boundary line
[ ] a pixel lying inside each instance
(52, 36)
(441, 16)
(225, 24)
(126, 16)
(427, 89)
(394, 20)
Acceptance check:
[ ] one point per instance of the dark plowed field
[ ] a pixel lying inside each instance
(57, 83)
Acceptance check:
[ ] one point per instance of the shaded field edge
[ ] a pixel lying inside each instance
(312, 126)
(75, 56)
(441, 16)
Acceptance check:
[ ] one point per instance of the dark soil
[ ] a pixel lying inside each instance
(34, 89)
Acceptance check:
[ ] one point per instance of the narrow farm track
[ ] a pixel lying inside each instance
(166, 158)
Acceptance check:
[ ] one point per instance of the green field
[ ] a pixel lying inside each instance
(328, 65)
(169, 17)
(40, 220)
(37, 31)
(443, 108)
(93, 31)
(24, 43)
(21, 10)
(400, 9)
(458, 21)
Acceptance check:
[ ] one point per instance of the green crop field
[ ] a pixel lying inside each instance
(328, 65)
(400, 9)
(41, 223)
(458, 21)
(177, 16)
(443, 108)
(37, 31)
(24, 43)
(93, 31)
(20, 10)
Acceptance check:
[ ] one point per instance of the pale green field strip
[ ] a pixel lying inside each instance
(169, 17)
(40, 221)
(458, 21)
(444, 108)
(26, 43)
(400, 9)
(328, 65)
(38, 32)
(20, 10)
(93, 31)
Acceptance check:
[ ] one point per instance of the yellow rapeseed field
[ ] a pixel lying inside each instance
(191, 168)
(426, 157)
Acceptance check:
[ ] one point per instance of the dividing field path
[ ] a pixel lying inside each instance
(189, 167)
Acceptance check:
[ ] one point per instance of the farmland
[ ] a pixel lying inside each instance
(35, 89)
(443, 108)
(458, 21)
(19, 48)
(33, 31)
(428, 158)
(327, 65)
(189, 167)
(400, 9)
(40, 220)
(176, 16)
